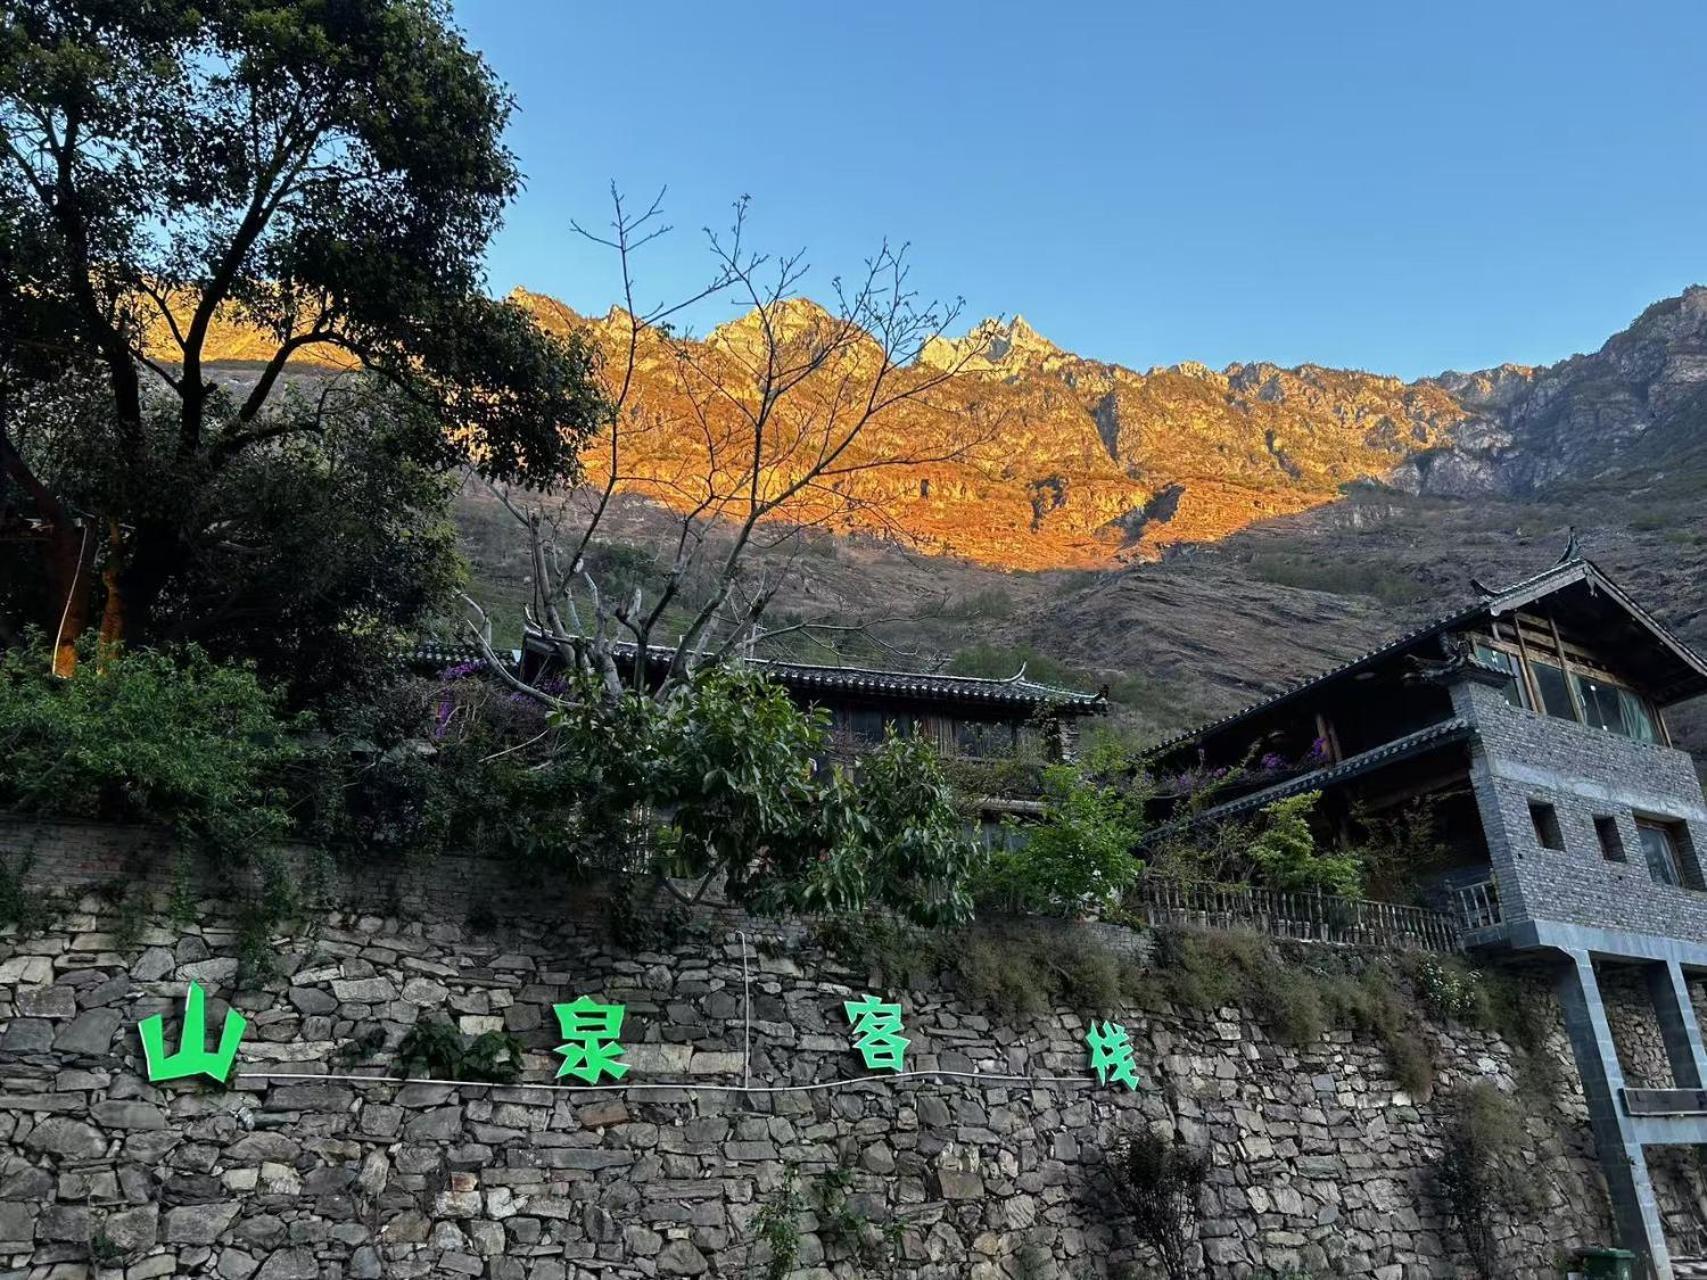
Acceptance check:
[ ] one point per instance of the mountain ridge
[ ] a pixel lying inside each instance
(1092, 463)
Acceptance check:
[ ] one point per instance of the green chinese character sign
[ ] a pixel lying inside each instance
(591, 1030)
(1111, 1054)
(877, 1033)
(193, 1057)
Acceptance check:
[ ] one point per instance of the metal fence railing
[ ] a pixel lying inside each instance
(1307, 917)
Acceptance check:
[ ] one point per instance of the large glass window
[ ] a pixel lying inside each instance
(1569, 690)
(1602, 707)
(1500, 660)
(1555, 693)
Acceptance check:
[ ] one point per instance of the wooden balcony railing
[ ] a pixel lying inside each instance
(1307, 917)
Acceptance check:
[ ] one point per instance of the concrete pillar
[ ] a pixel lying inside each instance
(1635, 1214)
(1678, 1028)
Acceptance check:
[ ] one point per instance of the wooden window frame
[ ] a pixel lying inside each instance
(1570, 658)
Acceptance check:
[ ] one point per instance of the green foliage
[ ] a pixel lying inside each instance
(1453, 991)
(436, 1050)
(1156, 1182)
(1399, 849)
(1079, 857)
(358, 1048)
(329, 176)
(729, 772)
(1016, 970)
(776, 1226)
(897, 840)
(841, 1224)
(1285, 855)
(1483, 1138)
(146, 737)
(1296, 1000)
(1026, 972)
(1019, 776)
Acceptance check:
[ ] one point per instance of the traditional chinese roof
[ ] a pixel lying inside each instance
(432, 656)
(1412, 744)
(1687, 670)
(1015, 693)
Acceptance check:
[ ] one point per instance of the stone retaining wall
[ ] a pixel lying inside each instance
(1320, 1163)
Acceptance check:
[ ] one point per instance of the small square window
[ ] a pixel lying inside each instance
(1611, 843)
(1669, 853)
(1546, 820)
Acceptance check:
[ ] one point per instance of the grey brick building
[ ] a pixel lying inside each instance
(1565, 830)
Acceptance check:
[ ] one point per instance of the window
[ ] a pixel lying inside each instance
(1640, 722)
(1659, 847)
(1602, 707)
(1500, 660)
(1566, 680)
(1615, 709)
(1546, 820)
(1555, 692)
(1611, 842)
(981, 740)
(866, 725)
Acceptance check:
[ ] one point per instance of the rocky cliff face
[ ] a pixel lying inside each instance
(1638, 405)
(1072, 462)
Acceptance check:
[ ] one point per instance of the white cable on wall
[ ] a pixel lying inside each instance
(814, 1086)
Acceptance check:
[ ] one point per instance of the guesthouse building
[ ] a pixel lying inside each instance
(1568, 829)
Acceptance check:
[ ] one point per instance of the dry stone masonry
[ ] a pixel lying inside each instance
(1321, 1164)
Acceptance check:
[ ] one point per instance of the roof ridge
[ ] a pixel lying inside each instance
(1579, 565)
(1015, 683)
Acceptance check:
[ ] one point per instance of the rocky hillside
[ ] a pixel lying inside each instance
(1083, 462)
(1637, 408)
(1073, 462)
(1241, 528)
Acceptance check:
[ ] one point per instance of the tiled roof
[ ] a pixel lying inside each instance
(1015, 691)
(1494, 603)
(436, 655)
(1453, 730)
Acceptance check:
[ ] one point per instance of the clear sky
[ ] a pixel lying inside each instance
(1403, 187)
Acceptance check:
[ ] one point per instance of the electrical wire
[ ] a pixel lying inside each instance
(815, 1086)
(76, 576)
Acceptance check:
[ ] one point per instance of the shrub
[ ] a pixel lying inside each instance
(175, 739)
(1452, 990)
(1207, 971)
(20, 907)
(1485, 1131)
(1013, 971)
(1079, 857)
(438, 1051)
(1284, 852)
(1157, 1181)
(776, 1226)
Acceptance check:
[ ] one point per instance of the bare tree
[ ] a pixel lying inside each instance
(770, 427)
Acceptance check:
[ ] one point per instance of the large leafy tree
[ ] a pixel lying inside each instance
(324, 172)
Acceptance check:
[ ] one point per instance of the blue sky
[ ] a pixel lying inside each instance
(1396, 187)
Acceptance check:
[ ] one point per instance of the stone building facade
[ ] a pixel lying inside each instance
(1533, 721)
(990, 1167)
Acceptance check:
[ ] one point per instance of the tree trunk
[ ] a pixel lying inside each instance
(156, 553)
(112, 608)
